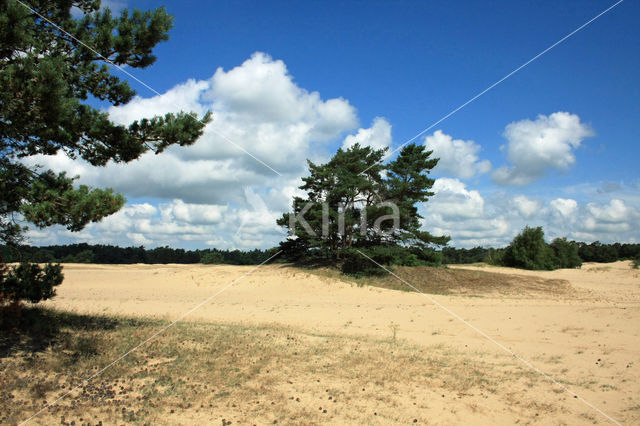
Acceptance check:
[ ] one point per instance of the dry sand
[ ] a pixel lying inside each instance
(587, 339)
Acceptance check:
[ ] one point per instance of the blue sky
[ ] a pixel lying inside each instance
(402, 65)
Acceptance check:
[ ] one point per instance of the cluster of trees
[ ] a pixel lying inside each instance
(357, 205)
(529, 250)
(108, 254)
(563, 254)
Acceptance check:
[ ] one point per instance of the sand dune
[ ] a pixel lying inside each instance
(587, 339)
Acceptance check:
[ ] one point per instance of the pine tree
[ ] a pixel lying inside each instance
(51, 64)
(351, 202)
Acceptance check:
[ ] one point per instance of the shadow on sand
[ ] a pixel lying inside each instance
(34, 329)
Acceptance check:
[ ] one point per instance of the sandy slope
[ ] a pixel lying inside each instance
(588, 340)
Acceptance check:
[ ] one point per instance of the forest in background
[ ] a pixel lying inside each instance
(108, 254)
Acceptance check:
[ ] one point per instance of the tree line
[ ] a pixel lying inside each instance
(109, 254)
(573, 252)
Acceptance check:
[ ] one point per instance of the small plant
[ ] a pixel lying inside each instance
(636, 262)
(394, 330)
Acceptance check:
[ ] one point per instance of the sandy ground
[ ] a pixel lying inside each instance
(587, 339)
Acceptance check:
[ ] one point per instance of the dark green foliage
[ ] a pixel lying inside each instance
(168, 255)
(566, 253)
(598, 252)
(50, 65)
(494, 256)
(636, 262)
(105, 254)
(356, 195)
(528, 250)
(85, 256)
(28, 281)
(452, 255)
(354, 263)
(211, 258)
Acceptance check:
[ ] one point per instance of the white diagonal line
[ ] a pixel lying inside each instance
(213, 129)
(148, 339)
(495, 342)
(122, 69)
(497, 83)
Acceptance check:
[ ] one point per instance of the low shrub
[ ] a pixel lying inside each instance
(354, 261)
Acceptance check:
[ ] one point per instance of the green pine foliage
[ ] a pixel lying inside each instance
(30, 282)
(354, 193)
(47, 74)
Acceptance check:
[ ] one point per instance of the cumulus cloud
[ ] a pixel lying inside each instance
(457, 157)
(615, 211)
(461, 213)
(192, 213)
(377, 136)
(257, 108)
(256, 105)
(453, 200)
(493, 219)
(526, 206)
(565, 207)
(535, 147)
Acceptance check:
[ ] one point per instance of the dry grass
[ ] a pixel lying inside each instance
(199, 372)
(447, 281)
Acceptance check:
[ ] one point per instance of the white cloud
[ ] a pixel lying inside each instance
(616, 211)
(200, 189)
(453, 200)
(457, 157)
(535, 147)
(526, 206)
(566, 207)
(461, 213)
(256, 105)
(472, 219)
(192, 213)
(377, 136)
(614, 221)
(182, 97)
(138, 239)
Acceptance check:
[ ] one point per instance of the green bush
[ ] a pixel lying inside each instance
(528, 250)
(636, 262)
(566, 253)
(430, 257)
(28, 281)
(354, 263)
